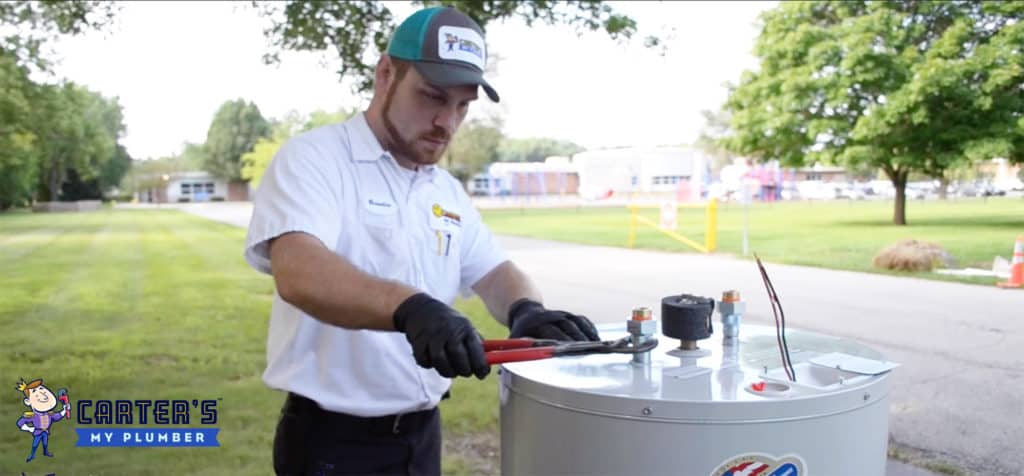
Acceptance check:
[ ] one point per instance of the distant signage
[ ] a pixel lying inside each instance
(668, 216)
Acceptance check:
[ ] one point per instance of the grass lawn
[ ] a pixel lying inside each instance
(838, 235)
(160, 305)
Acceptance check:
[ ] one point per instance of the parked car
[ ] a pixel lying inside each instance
(852, 191)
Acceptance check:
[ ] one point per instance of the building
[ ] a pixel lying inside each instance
(554, 176)
(599, 173)
(823, 173)
(1005, 176)
(194, 186)
(650, 170)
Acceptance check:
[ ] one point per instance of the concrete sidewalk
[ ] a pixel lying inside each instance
(958, 396)
(232, 213)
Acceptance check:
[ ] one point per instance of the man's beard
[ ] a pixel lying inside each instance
(405, 148)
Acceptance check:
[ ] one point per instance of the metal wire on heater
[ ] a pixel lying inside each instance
(780, 321)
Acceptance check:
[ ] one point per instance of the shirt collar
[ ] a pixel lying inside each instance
(366, 147)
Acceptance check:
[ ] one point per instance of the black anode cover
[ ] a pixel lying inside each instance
(686, 317)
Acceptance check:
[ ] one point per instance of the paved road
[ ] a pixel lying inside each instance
(958, 397)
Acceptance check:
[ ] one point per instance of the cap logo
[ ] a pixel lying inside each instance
(461, 44)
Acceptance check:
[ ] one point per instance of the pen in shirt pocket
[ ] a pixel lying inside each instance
(444, 242)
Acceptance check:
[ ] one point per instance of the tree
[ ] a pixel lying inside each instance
(146, 174)
(473, 147)
(358, 31)
(236, 127)
(320, 118)
(26, 26)
(192, 157)
(900, 86)
(78, 130)
(51, 132)
(716, 129)
(18, 160)
(114, 170)
(27, 109)
(255, 162)
(534, 149)
(106, 178)
(18, 170)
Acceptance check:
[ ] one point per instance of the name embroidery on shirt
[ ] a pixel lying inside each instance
(381, 207)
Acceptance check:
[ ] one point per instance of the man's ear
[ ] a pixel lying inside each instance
(383, 74)
(28, 403)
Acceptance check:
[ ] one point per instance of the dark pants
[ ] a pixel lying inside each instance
(45, 438)
(313, 441)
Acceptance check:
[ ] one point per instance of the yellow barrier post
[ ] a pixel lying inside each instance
(711, 231)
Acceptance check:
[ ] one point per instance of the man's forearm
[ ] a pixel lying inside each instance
(329, 288)
(503, 286)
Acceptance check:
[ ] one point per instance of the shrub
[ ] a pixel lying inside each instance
(912, 255)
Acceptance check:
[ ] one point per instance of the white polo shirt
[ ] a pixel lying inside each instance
(417, 227)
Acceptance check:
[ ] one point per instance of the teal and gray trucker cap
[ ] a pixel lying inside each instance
(445, 46)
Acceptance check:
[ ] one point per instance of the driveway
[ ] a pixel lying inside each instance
(958, 396)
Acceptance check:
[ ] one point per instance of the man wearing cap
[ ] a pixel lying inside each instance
(369, 244)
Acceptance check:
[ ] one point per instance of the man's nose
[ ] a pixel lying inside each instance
(447, 119)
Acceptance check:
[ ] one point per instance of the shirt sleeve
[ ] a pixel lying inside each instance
(299, 192)
(480, 252)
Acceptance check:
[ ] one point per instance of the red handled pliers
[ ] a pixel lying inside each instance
(502, 351)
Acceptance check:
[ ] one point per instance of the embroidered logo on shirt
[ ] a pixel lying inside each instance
(444, 223)
(441, 212)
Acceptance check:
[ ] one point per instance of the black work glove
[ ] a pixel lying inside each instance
(528, 318)
(441, 338)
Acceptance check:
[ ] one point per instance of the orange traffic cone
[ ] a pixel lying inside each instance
(1016, 266)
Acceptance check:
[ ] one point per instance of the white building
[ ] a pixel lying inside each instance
(640, 169)
(554, 176)
(193, 186)
(1006, 176)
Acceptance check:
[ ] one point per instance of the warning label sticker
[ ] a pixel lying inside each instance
(760, 464)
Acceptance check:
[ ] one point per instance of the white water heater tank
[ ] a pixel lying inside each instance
(721, 410)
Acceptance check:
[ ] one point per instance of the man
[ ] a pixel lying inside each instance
(41, 401)
(369, 244)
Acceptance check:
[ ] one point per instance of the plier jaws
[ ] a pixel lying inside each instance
(500, 351)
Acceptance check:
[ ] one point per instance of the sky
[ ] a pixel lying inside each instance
(172, 64)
